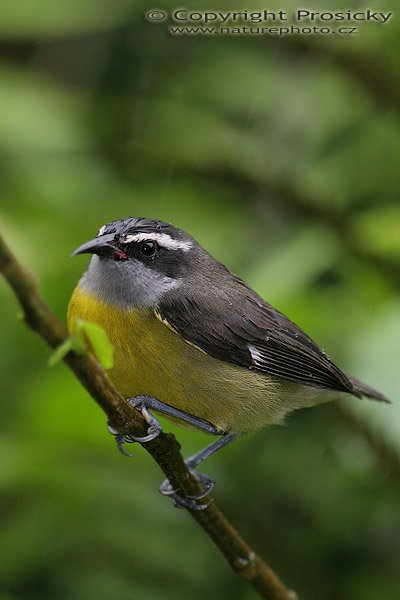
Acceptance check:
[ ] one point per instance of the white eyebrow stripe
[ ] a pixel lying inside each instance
(163, 239)
(102, 230)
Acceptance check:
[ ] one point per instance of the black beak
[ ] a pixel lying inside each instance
(102, 246)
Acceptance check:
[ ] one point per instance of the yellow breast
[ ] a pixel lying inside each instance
(153, 360)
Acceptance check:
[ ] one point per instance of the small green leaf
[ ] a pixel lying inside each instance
(73, 343)
(98, 340)
(87, 336)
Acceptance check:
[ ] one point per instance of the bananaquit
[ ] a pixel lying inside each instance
(192, 341)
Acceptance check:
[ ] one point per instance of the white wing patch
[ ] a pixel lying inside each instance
(256, 355)
(163, 239)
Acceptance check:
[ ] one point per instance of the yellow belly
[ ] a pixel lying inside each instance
(153, 360)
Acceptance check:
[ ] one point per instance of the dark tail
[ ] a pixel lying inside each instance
(365, 390)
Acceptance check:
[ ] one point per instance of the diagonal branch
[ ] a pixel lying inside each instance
(164, 449)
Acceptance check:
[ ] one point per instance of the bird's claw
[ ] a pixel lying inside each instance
(120, 440)
(153, 430)
(190, 501)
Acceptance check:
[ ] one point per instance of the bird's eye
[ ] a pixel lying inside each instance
(148, 248)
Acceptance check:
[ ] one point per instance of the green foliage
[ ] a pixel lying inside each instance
(98, 341)
(280, 156)
(73, 343)
(87, 335)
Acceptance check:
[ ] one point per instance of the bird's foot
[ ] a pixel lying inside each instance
(190, 501)
(153, 430)
(120, 440)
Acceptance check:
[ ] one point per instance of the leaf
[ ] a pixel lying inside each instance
(95, 336)
(73, 343)
(87, 336)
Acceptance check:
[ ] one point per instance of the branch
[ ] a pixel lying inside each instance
(164, 449)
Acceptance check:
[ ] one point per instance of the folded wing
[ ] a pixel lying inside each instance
(234, 324)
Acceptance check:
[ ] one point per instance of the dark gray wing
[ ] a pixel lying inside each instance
(234, 324)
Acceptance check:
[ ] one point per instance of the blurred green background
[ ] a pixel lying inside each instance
(281, 156)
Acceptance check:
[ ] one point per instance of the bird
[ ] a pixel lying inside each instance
(193, 342)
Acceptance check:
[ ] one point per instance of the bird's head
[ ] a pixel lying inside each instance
(137, 261)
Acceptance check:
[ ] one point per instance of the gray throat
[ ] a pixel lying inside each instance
(126, 286)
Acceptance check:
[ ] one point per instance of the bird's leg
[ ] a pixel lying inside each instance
(207, 483)
(152, 403)
(196, 459)
(143, 403)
